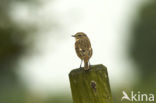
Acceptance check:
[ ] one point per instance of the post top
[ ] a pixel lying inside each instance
(93, 68)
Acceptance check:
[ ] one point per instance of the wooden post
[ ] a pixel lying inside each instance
(90, 86)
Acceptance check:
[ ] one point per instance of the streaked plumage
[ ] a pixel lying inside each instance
(83, 48)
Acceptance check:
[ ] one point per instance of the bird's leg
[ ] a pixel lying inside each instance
(80, 64)
(89, 64)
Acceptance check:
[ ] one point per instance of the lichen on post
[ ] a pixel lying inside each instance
(91, 86)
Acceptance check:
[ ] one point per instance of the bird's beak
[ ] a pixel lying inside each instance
(73, 35)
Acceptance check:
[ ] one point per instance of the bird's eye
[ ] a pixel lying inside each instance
(79, 35)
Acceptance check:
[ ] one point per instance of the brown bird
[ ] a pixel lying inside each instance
(83, 48)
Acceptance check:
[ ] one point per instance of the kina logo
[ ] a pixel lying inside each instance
(125, 96)
(134, 97)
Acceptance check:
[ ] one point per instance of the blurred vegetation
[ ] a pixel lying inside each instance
(143, 48)
(143, 51)
(14, 44)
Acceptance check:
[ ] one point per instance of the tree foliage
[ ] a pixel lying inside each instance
(143, 48)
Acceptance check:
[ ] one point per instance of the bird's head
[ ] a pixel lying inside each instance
(79, 35)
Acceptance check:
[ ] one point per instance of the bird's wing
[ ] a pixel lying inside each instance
(83, 48)
(85, 44)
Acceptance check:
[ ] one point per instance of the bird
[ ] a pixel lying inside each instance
(83, 48)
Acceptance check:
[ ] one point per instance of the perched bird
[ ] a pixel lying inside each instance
(83, 48)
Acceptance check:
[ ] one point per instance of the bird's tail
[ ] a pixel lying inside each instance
(86, 65)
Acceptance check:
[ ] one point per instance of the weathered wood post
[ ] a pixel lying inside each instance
(90, 86)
